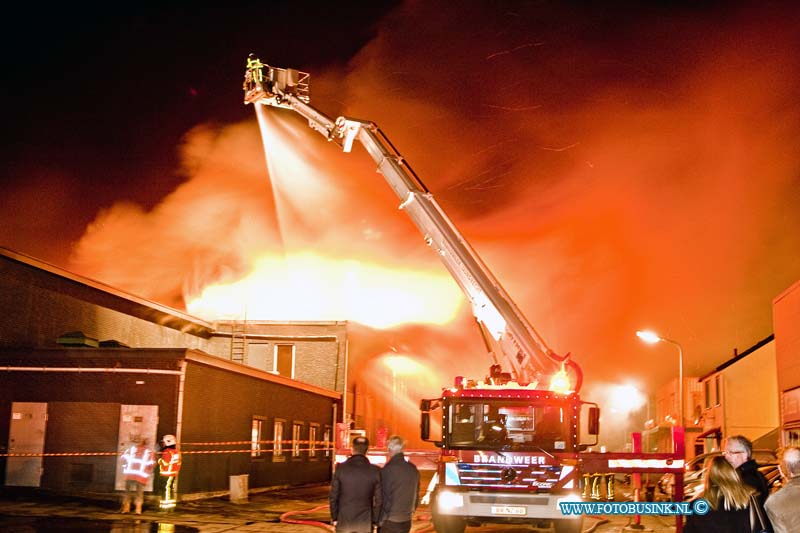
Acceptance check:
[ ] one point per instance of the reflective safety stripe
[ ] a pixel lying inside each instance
(451, 474)
(138, 463)
(565, 471)
(676, 464)
(170, 463)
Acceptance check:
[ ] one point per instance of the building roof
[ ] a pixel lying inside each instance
(124, 302)
(120, 300)
(141, 360)
(739, 356)
(199, 357)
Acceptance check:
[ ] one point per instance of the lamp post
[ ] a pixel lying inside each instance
(651, 338)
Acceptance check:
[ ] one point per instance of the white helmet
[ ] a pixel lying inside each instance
(169, 440)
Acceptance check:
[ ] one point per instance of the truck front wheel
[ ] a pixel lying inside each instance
(569, 525)
(448, 524)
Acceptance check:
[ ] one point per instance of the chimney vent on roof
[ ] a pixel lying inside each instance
(77, 339)
(113, 343)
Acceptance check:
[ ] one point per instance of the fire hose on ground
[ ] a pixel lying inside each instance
(287, 518)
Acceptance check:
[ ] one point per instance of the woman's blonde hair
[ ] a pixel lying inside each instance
(724, 489)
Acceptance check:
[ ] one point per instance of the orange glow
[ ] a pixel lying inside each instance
(610, 195)
(307, 286)
(390, 386)
(402, 365)
(626, 398)
(560, 382)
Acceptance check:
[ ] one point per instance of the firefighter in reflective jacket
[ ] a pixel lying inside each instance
(137, 466)
(169, 464)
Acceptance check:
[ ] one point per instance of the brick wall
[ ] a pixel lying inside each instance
(219, 407)
(320, 348)
(36, 307)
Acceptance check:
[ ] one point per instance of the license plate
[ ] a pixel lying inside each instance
(509, 510)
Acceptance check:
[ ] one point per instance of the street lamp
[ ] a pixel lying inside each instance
(651, 338)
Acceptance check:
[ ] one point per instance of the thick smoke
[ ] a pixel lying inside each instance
(616, 169)
(208, 230)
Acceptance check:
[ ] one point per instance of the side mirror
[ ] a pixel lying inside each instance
(594, 421)
(425, 407)
(425, 426)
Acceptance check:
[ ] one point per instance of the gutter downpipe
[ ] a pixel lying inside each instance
(179, 410)
(344, 390)
(179, 414)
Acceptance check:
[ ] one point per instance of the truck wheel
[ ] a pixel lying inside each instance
(569, 525)
(448, 524)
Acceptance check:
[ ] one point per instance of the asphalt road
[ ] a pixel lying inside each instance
(271, 511)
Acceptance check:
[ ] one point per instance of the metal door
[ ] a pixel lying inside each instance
(136, 421)
(26, 435)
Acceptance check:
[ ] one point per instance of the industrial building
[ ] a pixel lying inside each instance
(85, 367)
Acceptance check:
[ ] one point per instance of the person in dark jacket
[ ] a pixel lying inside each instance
(728, 499)
(738, 450)
(400, 489)
(355, 497)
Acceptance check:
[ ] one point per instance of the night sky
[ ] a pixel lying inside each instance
(97, 103)
(618, 166)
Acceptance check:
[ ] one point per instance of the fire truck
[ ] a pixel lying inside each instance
(512, 441)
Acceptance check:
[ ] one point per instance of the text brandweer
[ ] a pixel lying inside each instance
(510, 460)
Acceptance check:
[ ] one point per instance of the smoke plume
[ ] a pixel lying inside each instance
(617, 168)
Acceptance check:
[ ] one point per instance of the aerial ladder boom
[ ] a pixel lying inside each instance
(503, 325)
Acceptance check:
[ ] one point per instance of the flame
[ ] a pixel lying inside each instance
(308, 286)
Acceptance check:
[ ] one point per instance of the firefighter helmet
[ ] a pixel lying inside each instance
(169, 440)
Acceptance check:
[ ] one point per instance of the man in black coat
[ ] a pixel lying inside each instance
(738, 450)
(400, 489)
(355, 496)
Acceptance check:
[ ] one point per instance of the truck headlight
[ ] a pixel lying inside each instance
(569, 498)
(449, 500)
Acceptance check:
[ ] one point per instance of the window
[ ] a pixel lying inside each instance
(277, 437)
(326, 439)
(256, 432)
(313, 430)
(717, 389)
(297, 434)
(707, 393)
(283, 360)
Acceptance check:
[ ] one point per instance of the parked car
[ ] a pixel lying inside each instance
(693, 479)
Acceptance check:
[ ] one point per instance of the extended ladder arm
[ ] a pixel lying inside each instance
(520, 346)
